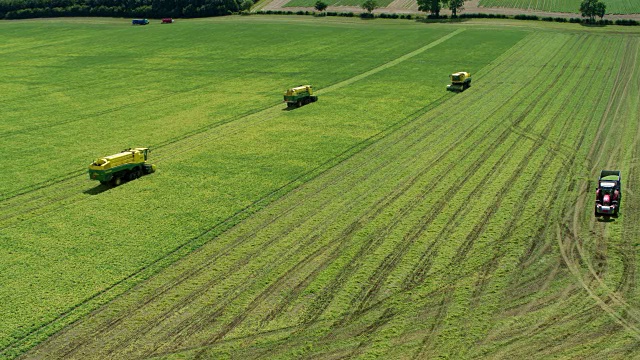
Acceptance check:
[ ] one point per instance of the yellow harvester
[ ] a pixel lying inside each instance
(460, 81)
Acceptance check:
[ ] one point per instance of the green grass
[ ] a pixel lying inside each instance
(568, 6)
(390, 219)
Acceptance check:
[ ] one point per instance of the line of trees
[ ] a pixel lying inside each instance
(22, 9)
(434, 6)
(593, 8)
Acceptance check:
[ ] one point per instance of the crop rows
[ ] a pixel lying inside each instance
(26, 207)
(453, 235)
(568, 6)
(58, 210)
(311, 3)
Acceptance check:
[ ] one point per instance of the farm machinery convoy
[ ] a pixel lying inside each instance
(608, 194)
(114, 169)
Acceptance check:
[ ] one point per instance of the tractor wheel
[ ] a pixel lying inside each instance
(299, 103)
(117, 181)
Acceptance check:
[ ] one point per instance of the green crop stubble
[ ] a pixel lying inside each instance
(148, 227)
(90, 229)
(608, 78)
(349, 220)
(109, 86)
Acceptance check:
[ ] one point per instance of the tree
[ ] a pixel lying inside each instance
(320, 6)
(456, 6)
(370, 5)
(591, 8)
(246, 5)
(601, 9)
(431, 6)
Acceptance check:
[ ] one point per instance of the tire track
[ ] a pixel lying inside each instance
(489, 268)
(166, 289)
(479, 228)
(569, 162)
(421, 269)
(528, 259)
(371, 244)
(357, 257)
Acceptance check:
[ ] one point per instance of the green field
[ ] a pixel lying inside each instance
(390, 219)
(311, 3)
(568, 6)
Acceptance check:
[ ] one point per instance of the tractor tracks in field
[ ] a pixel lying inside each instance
(386, 266)
(537, 304)
(423, 265)
(182, 278)
(552, 270)
(173, 284)
(542, 232)
(235, 323)
(466, 246)
(536, 250)
(373, 212)
(318, 254)
(380, 274)
(67, 187)
(612, 302)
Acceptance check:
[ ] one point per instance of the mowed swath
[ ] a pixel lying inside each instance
(460, 233)
(224, 147)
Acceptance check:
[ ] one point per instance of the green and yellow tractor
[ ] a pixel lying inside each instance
(299, 95)
(460, 81)
(127, 165)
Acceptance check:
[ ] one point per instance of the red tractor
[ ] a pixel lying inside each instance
(608, 194)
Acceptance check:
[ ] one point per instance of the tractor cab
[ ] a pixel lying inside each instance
(607, 186)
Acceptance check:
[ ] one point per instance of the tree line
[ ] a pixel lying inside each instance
(23, 9)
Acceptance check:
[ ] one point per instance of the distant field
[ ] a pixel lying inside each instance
(569, 6)
(391, 219)
(311, 3)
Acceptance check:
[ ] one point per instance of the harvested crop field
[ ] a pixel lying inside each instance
(567, 6)
(391, 219)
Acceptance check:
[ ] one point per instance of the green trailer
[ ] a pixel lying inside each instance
(460, 81)
(299, 95)
(129, 164)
